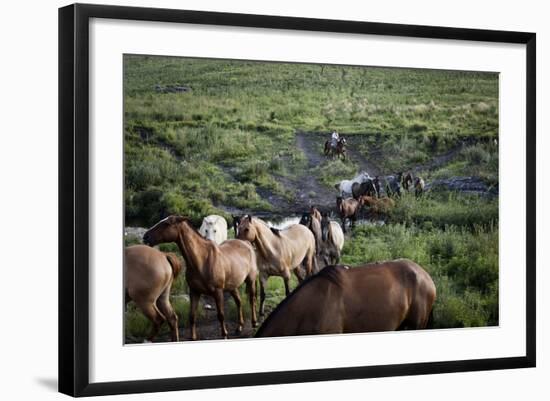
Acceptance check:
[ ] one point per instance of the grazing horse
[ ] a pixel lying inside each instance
(392, 295)
(148, 277)
(344, 187)
(279, 251)
(348, 209)
(364, 188)
(407, 181)
(378, 206)
(338, 150)
(332, 240)
(419, 185)
(214, 228)
(211, 268)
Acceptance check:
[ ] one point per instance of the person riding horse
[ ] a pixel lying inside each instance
(335, 145)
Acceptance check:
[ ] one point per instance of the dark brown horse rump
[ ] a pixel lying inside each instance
(386, 296)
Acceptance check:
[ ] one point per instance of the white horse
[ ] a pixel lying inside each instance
(344, 186)
(214, 228)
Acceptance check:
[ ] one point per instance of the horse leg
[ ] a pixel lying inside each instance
(251, 290)
(152, 313)
(236, 296)
(218, 297)
(286, 279)
(298, 272)
(263, 285)
(163, 304)
(194, 298)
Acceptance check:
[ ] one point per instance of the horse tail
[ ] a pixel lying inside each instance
(175, 263)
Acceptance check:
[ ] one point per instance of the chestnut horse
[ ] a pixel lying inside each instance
(378, 206)
(391, 295)
(348, 209)
(148, 277)
(279, 251)
(211, 268)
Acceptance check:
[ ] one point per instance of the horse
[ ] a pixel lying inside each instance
(393, 185)
(384, 296)
(211, 268)
(419, 186)
(332, 238)
(378, 206)
(312, 220)
(365, 188)
(148, 278)
(407, 181)
(338, 150)
(345, 186)
(348, 209)
(214, 228)
(279, 251)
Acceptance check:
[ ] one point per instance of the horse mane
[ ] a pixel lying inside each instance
(275, 231)
(175, 263)
(334, 274)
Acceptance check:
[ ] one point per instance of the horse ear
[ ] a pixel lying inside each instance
(249, 217)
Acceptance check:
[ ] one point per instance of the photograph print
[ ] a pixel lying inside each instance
(268, 199)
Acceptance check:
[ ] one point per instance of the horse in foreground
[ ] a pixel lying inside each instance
(214, 228)
(148, 277)
(279, 251)
(211, 268)
(392, 295)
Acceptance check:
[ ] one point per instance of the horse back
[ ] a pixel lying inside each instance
(296, 242)
(389, 295)
(315, 307)
(147, 271)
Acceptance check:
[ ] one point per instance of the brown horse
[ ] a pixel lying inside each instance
(392, 295)
(148, 277)
(211, 268)
(419, 185)
(312, 220)
(348, 209)
(339, 150)
(279, 251)
(407, 181)
(378, 206)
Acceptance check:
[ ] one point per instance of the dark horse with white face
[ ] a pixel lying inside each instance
(392, 295)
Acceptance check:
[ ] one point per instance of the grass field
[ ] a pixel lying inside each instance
(247, 137)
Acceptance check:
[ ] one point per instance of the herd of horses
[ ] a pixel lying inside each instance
(329, 299)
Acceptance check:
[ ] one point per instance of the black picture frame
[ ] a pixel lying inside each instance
(74, 198)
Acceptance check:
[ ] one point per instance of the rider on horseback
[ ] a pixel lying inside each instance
(334, 139)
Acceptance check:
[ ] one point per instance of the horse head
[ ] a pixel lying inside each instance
(247, 230)
(165, 230)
